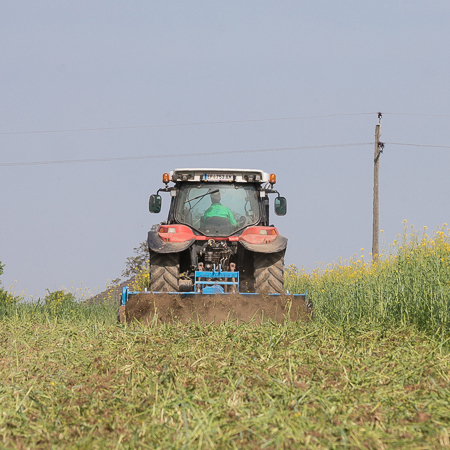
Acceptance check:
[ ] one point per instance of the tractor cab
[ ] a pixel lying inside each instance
(219, 202)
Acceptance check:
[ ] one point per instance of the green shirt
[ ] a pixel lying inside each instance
(218, 210)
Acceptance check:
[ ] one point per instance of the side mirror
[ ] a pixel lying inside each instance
(154, 204)
(280, 206)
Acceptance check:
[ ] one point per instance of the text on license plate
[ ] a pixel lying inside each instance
(218, 177)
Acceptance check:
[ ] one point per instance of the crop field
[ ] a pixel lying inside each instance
(409, 285)
(369, 369)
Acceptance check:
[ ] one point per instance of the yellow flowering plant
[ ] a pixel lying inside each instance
(408, 284)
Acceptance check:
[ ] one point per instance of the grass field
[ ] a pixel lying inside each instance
(371, 370)
(81, 381)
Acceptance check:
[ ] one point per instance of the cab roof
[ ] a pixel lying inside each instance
(215, 175)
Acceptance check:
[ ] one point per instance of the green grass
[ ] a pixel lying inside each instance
(75, 379)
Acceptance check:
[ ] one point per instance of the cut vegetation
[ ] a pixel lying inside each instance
(370, 370)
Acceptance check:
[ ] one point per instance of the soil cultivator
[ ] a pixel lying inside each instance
(217, 256)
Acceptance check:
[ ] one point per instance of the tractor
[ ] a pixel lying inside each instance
(217, 238)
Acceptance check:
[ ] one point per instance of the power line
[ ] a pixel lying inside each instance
(218, 122)
(415, 114)
(417, 145)
(179, 155)
(222, 122)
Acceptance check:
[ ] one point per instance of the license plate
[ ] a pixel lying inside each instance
(218, 177)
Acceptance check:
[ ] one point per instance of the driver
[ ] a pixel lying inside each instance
(218, 210)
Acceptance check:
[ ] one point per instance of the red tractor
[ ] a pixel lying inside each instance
(218, 237)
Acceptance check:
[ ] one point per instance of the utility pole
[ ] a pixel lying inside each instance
(379, 146)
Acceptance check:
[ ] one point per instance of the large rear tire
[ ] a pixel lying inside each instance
(269, 273)
(164, 272)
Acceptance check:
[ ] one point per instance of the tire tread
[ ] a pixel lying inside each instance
(164, 272)
(269, 272)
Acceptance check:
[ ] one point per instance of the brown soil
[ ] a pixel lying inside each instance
(214, 308)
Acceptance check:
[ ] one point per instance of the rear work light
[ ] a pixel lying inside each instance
(272, 178)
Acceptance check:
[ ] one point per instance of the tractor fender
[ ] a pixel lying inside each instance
(156, 244)
(277, 245)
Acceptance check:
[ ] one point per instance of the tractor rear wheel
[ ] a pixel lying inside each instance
(269, 272)
(164, 272)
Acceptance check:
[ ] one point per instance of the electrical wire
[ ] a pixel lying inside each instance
(187, 124)
(219, 122)
(417, 145)
(415, 114)
(180, 155)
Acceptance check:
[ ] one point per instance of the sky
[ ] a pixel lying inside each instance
(164, 80)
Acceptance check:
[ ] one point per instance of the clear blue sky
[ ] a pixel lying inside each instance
(76, 65)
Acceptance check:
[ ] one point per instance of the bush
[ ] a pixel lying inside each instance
(7, 301)
(60, 301)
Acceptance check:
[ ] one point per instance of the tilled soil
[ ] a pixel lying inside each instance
(163, 308)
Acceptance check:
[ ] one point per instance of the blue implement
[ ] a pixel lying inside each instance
(209, 283)
(216, 281)
(209, 288)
